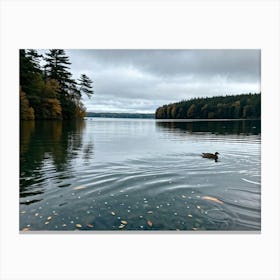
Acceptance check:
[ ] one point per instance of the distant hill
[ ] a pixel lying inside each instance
(120, 115)
(243, 106)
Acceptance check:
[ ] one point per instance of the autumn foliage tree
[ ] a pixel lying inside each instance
(50, 91)
(51, 108)
(26, 112)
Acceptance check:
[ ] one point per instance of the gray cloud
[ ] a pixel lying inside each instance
(142, 80)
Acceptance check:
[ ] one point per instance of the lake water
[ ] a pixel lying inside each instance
(139, 174)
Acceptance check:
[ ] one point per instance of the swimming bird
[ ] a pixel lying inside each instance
(211, 156)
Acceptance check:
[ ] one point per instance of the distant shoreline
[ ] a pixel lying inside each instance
(152, 116)
(120, 115)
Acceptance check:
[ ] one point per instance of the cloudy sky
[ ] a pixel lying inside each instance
(142, 80)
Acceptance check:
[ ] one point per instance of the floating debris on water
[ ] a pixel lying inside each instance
(190, 215)
(25, 229)
(150, 212)
(23, 212)
(64, 225)
(214, 199)
(47, 222)
(49, 218)
(198, 207)
(36, 214)
(90, 225)
(183, 196)
(79, 225)
(121, 226)
(79, 188)
(113, 213)
(124, 222)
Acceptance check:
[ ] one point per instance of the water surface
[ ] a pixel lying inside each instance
(139, 174)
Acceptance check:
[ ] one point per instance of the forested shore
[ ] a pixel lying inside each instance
(47, 88)
(243, 106)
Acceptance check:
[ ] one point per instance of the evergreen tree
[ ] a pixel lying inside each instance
(29, 67)
(57, 65)
(31, 80)
(86, 85)
(218, 107)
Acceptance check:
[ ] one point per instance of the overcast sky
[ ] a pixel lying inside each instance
(142, 80)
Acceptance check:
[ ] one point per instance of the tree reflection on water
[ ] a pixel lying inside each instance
(246, 127)
(49, 145)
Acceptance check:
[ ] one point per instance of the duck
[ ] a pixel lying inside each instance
(211, 156)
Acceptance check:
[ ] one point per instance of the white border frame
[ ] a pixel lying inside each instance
(140, 24)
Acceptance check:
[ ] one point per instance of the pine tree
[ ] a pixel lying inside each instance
(85, 84)
(30, 68)
(57, 65)
(31, 80)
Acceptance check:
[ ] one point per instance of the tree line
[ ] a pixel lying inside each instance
(121, 115)
(243, 106)
(49, 91)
